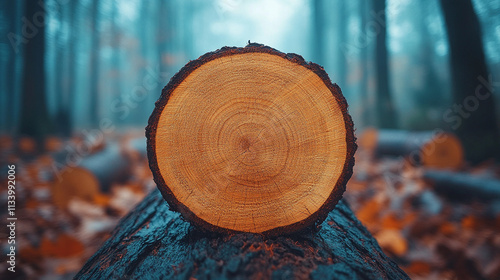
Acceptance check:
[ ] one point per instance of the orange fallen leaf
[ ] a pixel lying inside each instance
(29, 254)
(101, 199)
(392, 241)
(469, 222)
(26, 145)
(65, 246)
(31, 203)
(368, 213)
(392, 221)
(447, 228)
(68, 246)
(418, 267)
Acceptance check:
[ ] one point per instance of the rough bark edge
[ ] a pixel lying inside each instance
(314, 219)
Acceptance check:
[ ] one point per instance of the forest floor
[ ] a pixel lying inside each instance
(429, 235)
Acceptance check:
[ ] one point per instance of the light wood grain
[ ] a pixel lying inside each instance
(251, 142)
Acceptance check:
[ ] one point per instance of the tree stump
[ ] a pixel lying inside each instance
(153, 242)
(251, 140)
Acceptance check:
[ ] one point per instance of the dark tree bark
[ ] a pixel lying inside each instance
(384, 104)
(35, 121)
(153, 242)
(473, 112)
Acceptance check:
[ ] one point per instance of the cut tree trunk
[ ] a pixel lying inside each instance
(384, 105)
(96, 173)
(251, 140)
(427, 148)
(463, 186)
(473, 114)
(153, 242)
(34, 118)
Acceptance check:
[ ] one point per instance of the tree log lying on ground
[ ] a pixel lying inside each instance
(153, 242)
(463, 186)
(246, 140)
(428, 148)
(95, 174)
(251, 140)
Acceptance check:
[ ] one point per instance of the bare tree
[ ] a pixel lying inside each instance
(35, 121)
(384, 105)
(473, 112)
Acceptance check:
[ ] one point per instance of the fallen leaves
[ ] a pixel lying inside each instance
(428, 234)
(54, 242)
(63, 247)
(392, 241)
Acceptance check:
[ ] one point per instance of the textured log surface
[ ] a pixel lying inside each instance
(153, 242)
(251, 140)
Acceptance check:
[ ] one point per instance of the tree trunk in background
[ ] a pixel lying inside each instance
(366, 101)
(318, 31)
(153, 242)
(8, 107)
(384, 104)
(429, 94)
(342, 25)
(64, 118)
(61, 124)
(462, 186)
(94, 65)
(34, 120)
(163, 36)
(118, 70)
(473, 113)
(190, 7)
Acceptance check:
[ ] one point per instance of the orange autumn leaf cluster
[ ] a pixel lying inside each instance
(64, 246)
(55, 242)
(430, 235)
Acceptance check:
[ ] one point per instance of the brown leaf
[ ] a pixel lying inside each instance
(392, 241)
(418, 268)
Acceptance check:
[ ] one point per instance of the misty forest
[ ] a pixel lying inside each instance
(79, 81)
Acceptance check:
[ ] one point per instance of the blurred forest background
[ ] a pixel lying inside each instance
(72, 65)
(89, 71)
